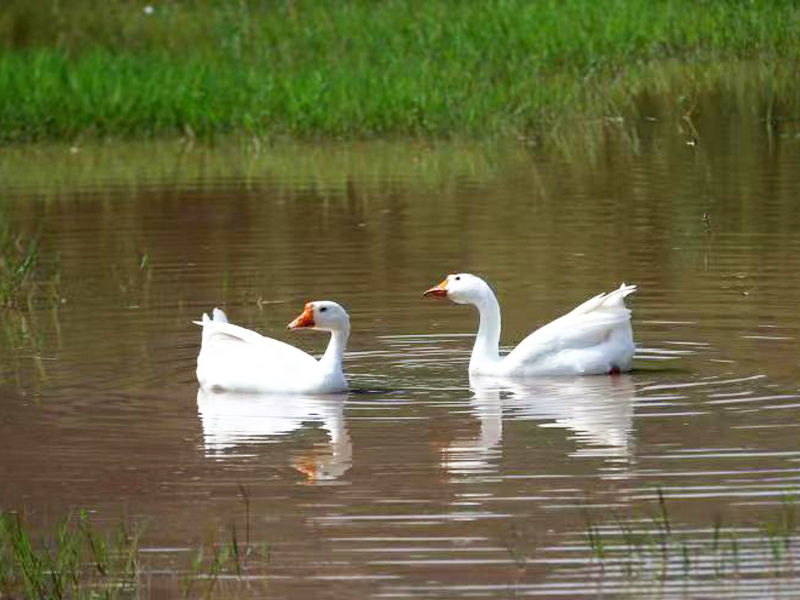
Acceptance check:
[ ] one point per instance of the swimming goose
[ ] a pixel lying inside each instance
(235, 359)
(595, 338)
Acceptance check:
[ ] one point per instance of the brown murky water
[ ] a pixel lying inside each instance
(413, 485)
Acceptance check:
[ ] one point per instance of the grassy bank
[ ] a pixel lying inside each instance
(350, 69)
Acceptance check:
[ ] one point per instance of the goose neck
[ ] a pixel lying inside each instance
(332, 359)
(487, 342)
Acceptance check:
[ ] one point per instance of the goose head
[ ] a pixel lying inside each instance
(461, 288)
(322, 315)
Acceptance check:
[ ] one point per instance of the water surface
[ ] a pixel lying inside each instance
(418, 483)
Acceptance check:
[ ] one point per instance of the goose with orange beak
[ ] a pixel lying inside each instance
(593, 339)
(235, 359)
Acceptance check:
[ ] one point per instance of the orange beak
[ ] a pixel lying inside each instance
(438, 291)
(306, 318)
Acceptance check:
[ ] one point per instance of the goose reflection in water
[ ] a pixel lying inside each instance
(598, 410)
(233, 420)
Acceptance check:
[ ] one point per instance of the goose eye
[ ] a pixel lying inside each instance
(323, 309)
(458, 278)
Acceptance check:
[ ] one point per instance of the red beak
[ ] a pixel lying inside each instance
(438, 291)
(306, 318)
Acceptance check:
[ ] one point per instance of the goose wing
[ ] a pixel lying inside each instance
(221, 336)
(588, 325)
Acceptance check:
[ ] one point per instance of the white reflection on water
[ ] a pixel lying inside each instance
(598, 410)
(230, 420)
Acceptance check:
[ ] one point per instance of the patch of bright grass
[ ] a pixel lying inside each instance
(353, 68)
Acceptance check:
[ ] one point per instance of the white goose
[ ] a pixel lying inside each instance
(235, 359)
(594, 339)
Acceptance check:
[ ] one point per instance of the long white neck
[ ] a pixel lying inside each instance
(332, 359)
(487, 342)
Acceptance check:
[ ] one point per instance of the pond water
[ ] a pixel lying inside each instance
(416, 484)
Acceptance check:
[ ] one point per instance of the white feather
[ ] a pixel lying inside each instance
(236, 359)
(593, 338)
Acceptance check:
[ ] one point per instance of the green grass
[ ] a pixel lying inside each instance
(73, 562)
(653, 548)
(354, 68)
(77, 561)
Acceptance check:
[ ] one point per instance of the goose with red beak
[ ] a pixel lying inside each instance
(595, 338)
(236, 359)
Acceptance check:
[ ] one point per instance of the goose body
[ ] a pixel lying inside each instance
(593, 339)
(235, 359)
